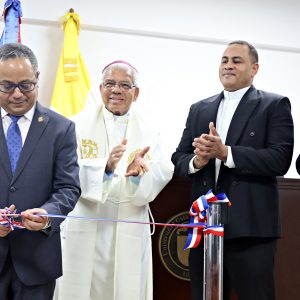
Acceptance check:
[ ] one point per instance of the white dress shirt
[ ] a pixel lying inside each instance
(115, 127)
(24, 122)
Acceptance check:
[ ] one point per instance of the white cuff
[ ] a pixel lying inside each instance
(192, 169)
(229, 162)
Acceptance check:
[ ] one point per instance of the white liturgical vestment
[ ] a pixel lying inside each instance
(104, 260)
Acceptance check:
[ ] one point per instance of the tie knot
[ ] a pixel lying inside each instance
(15, 118)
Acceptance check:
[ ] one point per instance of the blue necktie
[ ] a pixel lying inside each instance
(14, 141)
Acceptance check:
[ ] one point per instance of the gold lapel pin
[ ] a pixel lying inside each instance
(40, 119)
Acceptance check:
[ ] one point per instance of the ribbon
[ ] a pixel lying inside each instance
(198, 213)
(9, 219)
(196, 226)
(12, 18)
(12, 216)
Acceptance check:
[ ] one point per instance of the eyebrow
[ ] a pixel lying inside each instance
(232, 57)
(122, 81)
(22, 81)
(116, 81)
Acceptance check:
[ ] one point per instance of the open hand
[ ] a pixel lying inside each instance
(138, 167)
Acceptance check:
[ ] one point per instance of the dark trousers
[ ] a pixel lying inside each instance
(11, 288)
(248, 268)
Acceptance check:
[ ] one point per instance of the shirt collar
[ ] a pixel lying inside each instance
(236, 94)
(28, 115)
(110, 116)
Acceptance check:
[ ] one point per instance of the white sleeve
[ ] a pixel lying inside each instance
(229, 161)
(93, 187)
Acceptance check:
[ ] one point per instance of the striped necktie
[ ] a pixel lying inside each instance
(14, 142)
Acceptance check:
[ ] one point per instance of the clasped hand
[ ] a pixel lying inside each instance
(209, 146)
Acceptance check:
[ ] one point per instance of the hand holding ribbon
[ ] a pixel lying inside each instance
(34, 219)
(8, 222)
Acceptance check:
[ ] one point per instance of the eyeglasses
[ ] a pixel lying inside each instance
(24, 86)
(123, 86)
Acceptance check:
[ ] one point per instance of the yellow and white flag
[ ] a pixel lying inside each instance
(72, 85)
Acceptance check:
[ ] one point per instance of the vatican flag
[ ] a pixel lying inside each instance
(72, 85)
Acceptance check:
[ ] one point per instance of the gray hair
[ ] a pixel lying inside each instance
(14, 50)
(252, 51)
(122, 66)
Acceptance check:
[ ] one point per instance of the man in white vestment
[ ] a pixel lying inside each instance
(122, 169)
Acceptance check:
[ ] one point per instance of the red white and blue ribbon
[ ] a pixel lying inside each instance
(8, 220)
(198, 213)
(195, 228)
(12, 14)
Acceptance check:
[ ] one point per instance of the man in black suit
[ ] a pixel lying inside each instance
(298, 164)
(43, 179)
(237, 142)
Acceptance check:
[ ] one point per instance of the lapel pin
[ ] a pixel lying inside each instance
(40, 119)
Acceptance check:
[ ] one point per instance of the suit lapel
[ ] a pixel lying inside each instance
(212, 110)
(4, 158)
(241, 116)
(210, 115)
(37, 127)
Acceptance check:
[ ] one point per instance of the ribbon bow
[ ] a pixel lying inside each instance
(198, 218)
(8, 220)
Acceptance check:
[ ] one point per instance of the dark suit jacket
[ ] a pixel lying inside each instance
(298, 164)
(46, 176)
(261, 138)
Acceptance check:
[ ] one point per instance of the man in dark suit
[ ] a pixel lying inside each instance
(43, 179)
(237, 142)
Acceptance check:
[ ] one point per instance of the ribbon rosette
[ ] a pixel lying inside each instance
(8, 220)
(198, 218)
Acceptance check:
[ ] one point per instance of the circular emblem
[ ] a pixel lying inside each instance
(171, 243)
